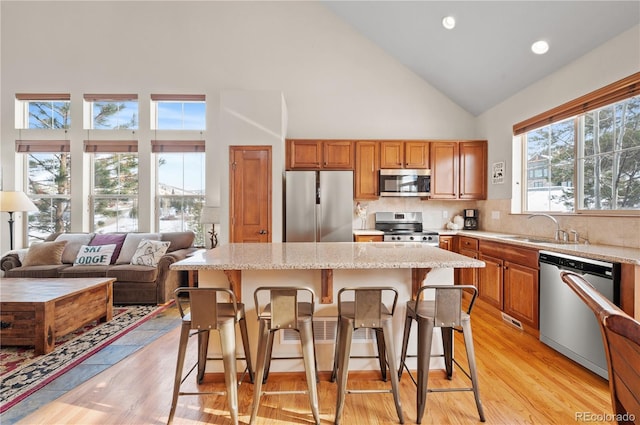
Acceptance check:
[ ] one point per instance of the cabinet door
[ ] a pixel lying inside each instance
(468, 276)
(304, 154)
(416, 155)
(391, 154)
(366, 170)
(521, 293)
(368, 238)
(444, 170)
(446, 242)
(473, 170)
(490, 281)
(338, 154)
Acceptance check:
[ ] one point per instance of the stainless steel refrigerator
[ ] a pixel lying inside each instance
(318, 206)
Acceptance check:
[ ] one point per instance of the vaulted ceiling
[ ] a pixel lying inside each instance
(487, 57)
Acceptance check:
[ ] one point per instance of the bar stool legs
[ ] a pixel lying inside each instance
(284, 312)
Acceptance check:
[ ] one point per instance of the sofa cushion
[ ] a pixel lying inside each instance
(84, 271)
(149, 253)
(44, 254)
(108, 239)
(37, 272)
(74, 242)
(133, 273)
(179, 240)
(99, 255)
(131, 243)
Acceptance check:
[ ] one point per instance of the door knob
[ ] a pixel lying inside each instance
(262, 232)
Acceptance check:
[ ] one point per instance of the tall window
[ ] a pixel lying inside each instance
(111, 111)
(114, 186)
(585, 155)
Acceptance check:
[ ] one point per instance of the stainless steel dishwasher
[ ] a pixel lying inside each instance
(566, 324)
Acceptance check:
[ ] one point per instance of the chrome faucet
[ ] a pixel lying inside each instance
(558, 232)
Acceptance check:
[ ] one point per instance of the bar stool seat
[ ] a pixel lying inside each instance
(367, 310)
(446, 312)
(201, 313)
(284, 311)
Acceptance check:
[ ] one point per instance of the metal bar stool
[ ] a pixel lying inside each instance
(444, 312)
(205, 314)
(284, 311)
(367, 310)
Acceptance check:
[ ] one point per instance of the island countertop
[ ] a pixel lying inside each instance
(324, 255)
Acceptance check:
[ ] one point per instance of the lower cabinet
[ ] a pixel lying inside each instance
(509, 281)
(367, 238)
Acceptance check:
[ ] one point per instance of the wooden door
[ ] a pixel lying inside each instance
(473, 170)
(250, 197)
(490, 281)
(444, 170)
(416, 155)
(521, 293)
(366, 170)
(391, 154)
(338, 155)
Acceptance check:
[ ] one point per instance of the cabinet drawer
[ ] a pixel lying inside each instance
(468, 243)
(508, 252)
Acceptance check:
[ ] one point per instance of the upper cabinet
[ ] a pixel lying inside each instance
(320, 154)
(459, 170)
(366, 171)
(401, 154)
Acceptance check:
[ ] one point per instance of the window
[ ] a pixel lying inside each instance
(114, 186)
(178, 112)
(43, 111)
(584, 156)
(180, 193)
(49, 187)
(111, 112)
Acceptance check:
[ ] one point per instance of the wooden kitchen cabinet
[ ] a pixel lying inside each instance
(368, 238)
(366, 170)
(509, 281)
(320, 154)
(468, 247)
(459, 169)
(446, 242)
(404, 154)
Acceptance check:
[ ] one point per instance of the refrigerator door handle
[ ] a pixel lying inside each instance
(318, 222)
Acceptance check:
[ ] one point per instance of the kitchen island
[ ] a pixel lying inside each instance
(325, 267)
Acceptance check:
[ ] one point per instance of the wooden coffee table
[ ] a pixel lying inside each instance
(36, 311)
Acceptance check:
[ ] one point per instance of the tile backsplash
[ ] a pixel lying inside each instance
(495, 216)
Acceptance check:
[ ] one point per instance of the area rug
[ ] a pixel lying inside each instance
(22, 372)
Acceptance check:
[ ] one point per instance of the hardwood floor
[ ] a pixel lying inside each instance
(522, 381)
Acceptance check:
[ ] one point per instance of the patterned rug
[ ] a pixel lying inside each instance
(22, 372)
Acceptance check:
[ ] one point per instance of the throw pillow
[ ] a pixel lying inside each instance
(108, 239)
(149, 252)
(99, 255)
(44, 254)
(75, 241)
(131, 243)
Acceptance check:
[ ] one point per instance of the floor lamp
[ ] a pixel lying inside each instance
(14, 202)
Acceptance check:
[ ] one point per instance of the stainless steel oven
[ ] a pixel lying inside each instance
(405, 227)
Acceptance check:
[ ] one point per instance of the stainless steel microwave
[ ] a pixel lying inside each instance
(403, 182)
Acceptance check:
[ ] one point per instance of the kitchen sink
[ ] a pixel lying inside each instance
(529, 239)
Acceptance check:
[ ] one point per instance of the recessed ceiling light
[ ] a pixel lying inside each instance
(449, 22)
(540, 47)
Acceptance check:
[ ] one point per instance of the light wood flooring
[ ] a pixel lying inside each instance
(522, 381)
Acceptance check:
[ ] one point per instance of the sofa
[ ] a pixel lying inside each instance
(138, 261)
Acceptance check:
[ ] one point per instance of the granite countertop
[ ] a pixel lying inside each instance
(324, 255)
(611, 253)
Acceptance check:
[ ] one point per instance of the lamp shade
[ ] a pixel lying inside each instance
(210, 215)
(15, 201)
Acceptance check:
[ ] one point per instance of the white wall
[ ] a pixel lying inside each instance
(614, 60)
(335, 83)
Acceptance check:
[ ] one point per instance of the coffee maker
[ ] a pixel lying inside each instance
(470, 219)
